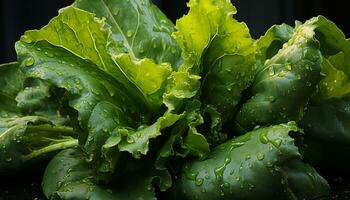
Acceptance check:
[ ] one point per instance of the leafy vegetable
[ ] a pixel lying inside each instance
(331, 102)
(25, 140)
(284, 85)
(128, 105)
(236, 168)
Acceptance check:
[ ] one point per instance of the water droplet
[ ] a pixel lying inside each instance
(80, 88)
(281, 74)
(29, 61)
(129, 33)
(270, 148)
(276, 142)
(26, 39)
(226, 185)
(199, 182)
(283, 181)
(219, 172)
(59, 184)
(260, 156)
(192, 176)
(263, 137)
(149, 187)
(130, 140)
(271, 98)
(237, 144)
(288, 66)
(227, 160)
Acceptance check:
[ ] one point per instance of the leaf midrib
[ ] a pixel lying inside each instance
(118, 27)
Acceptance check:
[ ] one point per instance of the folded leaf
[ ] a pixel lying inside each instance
(273, 40)
(243, 167)
(335, 49)
(283, 87)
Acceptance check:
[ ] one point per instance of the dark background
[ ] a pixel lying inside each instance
(16, 16)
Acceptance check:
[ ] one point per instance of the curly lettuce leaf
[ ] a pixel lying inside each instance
(335, 48)
(221, 50)
(93, 94)
(242, 168)
(326, 118)
(283, 87)
(143, 77)
(105, 81)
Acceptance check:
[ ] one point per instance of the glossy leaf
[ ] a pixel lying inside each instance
(283, 87)
(243, 167)
(145, 33)
(273, 40)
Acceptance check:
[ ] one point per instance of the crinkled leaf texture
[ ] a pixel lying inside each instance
(243, 168)
(220, 50)
(122, 101)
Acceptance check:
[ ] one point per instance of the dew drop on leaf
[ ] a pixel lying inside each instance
(199, 182)
(260, 156)
(129, 33)
(29, 61)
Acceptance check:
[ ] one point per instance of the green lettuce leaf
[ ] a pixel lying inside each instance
(145, 34)
(103, 82)
(243, 167)
(25, 140)
(283, 87)
(221, 50)
(273, 40)
(326, 118)
(327, 139)
(11, 82)
(336, 65)
(69, 176)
